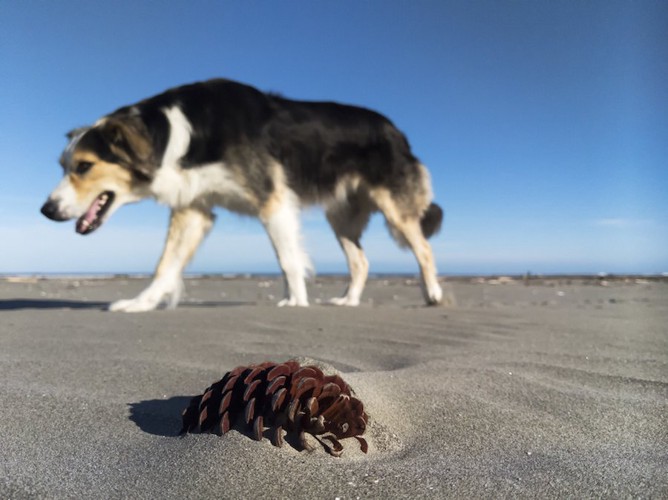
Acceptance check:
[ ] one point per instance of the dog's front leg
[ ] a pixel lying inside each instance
(187, 229)
(282, 225)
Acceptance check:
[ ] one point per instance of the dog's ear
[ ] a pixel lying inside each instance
(76, 132)
(128, 139)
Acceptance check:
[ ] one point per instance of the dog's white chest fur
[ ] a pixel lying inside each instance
(210, 184)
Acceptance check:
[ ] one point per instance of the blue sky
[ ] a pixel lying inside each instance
(544, 124)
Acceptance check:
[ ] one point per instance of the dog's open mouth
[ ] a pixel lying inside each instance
(92, 219)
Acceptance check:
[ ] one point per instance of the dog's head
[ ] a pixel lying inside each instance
(105, 166)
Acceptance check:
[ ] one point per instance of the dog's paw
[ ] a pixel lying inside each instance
(436, 297)
(132, 305)
(448, 298)
(344, 301)
(292, 302)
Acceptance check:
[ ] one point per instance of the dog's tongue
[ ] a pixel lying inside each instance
(87, 219)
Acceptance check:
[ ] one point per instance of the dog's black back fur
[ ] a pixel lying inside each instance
(316, 142)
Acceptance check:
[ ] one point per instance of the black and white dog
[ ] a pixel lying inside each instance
(222, 143)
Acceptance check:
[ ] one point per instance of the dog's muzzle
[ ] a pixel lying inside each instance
(50, 209)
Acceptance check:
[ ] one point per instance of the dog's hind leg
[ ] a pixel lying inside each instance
(348, 222)
(187, 229)
(407, 231)
(280, 218)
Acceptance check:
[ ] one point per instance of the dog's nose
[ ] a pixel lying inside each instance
(50, 210)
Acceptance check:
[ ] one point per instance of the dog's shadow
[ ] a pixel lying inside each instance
(45, 304)
(160, 417)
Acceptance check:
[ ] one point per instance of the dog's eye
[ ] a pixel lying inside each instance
(82, 167)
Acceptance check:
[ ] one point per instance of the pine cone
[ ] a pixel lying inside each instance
(281, 397)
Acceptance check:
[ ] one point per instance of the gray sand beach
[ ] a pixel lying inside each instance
(558, 388)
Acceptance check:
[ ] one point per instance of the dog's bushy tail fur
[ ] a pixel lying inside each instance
(430, 223)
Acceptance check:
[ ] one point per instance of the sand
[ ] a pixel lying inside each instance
(555, 389)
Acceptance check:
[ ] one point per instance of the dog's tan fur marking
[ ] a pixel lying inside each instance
(277, 197)
(405, 228)
(134, 132)
(187, 229)
(101, 177)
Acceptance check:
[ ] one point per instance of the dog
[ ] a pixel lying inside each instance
(224, 143)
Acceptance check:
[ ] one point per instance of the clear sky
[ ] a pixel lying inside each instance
(544, 123)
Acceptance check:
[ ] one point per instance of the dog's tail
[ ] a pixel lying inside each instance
(431, 220)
